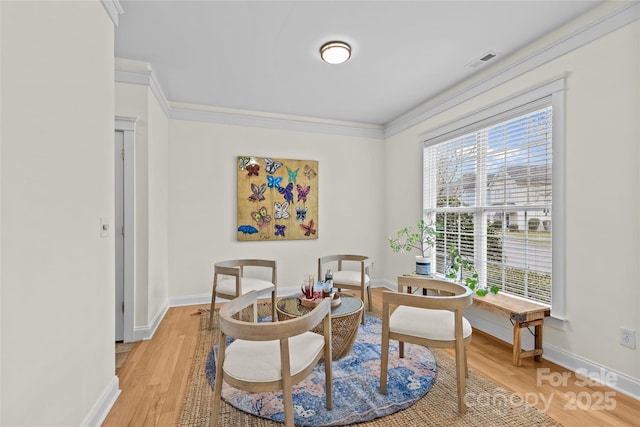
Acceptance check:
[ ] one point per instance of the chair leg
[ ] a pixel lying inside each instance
(287, 397)
(217, 390)
(466, 364)
(363, 310)
(254, 314)
(328, 386)
(213, 304)
(461, 378)
(384, 359)
(274, 315)
(369, 298)
(287, 385)
(215, 409)
(401, 349)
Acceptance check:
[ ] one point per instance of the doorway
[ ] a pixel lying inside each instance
(119, 233)
(124, 228)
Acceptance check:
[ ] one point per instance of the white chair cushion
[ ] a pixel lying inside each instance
(259, 361)
(349, 277)
(248, 284)
(426, 323)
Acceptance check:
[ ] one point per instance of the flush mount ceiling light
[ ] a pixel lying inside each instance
(335, 52)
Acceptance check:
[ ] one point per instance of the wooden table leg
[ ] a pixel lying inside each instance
(517, 343)
(538, 343)
(518, 353)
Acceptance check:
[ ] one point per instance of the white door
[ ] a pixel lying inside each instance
(118, 233)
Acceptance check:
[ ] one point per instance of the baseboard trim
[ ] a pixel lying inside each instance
(622, 382)
(190, 300)
(104, 404)
(146, 332)
(616, 380)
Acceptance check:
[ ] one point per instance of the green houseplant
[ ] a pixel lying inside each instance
(458, 263)
(421, 238)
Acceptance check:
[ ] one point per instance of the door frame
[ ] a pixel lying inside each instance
(127, 125)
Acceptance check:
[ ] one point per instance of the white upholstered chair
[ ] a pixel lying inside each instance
(433, 320)
(345, 276)
(271, 355)
(238, 284)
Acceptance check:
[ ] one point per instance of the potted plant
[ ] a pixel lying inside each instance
(457, 263)
(421, 238)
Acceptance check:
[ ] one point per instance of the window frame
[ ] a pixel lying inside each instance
(553, 91)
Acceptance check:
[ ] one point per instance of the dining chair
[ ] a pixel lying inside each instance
(432, 320)
(238, 283)
(348, 278)
(271, 356)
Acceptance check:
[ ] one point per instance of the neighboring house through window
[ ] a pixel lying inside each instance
(493, 181)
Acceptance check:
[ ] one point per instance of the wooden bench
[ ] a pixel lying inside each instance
(522, 314)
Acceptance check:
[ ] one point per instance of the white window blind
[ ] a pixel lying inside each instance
(489, 186)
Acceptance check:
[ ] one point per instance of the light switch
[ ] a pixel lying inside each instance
(104, 226)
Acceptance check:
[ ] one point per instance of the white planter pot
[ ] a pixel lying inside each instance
(423, 266)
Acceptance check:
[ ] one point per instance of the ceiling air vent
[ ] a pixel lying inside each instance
(483, 60)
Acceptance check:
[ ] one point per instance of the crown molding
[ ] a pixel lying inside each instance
(622, 13)
(125, 73)
(114, 10)
(274, 121)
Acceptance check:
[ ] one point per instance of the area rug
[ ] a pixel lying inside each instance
(498, 407)
(356, 382)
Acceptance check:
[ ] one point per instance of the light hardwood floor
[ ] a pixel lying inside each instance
(154, 376)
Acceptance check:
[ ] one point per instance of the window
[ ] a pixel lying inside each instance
(489, 184)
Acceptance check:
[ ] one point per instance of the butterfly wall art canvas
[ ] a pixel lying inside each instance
(277, 199)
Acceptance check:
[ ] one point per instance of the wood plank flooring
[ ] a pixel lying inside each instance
(154, 376)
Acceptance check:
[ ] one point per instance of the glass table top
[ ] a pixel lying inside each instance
(292, 306)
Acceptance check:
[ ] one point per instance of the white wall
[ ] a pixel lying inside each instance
(57, 181)
(202, 200)
(151, 199)
(603, 159)
(1, 137)
(158, 208)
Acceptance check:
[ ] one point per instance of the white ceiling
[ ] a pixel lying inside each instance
(262, 56)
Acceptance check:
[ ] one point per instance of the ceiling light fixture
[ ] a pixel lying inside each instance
(335, 52)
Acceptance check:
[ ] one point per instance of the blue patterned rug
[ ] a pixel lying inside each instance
(356, 381)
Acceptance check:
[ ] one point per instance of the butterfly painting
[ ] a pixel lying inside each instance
(303, 193)
(301, 214)
(280, 210)
(252, 169)
(287, 192)
(261, 217)
(257, 192)
(272, 166)
(280, 230)
(309, 172)
(308, 228)
(274, 181)
(293, 174)
(271, 205)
